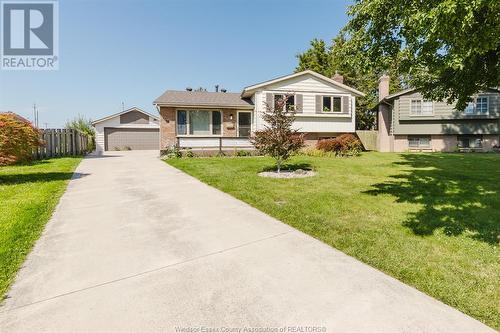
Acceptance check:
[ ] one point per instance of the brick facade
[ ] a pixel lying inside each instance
(167, 127)
(443, 143)
(229, 126)
(168, 135)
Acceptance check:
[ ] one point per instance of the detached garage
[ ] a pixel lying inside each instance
(132, 129)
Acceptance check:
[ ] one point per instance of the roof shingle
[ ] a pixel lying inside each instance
(203, 98)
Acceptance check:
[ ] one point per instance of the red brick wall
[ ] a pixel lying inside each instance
(168, 126)
(229, 126)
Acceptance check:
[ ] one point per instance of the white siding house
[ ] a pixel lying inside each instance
(324, 107)
(312, 87)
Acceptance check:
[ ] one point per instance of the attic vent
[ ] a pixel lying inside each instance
(223, 90)
(189, 89)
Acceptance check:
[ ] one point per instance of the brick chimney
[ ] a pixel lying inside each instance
(337, 77)
(384, 117)
(383, 87)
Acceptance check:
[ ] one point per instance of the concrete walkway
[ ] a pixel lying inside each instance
(136, 245)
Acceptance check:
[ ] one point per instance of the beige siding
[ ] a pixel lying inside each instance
(308, 120)
(446, 120)
(443, 110)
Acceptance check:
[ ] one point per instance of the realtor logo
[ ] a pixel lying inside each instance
(29, 35)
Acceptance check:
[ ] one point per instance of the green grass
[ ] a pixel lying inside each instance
(430, 220)
(28, 195)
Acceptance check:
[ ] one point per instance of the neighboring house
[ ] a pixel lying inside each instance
(325, 107)
(406, 122)
(130, 129)
(16, 116)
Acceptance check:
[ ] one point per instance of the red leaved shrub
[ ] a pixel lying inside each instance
(18, 138)
(343, 145)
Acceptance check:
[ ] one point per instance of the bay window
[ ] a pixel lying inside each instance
(199, 122)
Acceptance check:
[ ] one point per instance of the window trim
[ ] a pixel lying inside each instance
(460, 137)
(188, 126)
(331, 104)
(283, 95)
(474, 107)
(238, 122)
(422, 101)
(419, 137)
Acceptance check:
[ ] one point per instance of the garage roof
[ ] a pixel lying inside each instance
(203, 98)
(123, 112)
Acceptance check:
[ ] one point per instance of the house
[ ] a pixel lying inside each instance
(408, 122)
(15, 116)
(132, 129)
(325, 107)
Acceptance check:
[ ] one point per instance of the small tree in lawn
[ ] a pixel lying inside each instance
(278, 139)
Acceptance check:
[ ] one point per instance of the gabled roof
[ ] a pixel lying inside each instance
(123, 112)
(400, 93)
(203, 99)
(411, 90)
(250, 89)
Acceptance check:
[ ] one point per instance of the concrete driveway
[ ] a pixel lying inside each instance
(136, 245)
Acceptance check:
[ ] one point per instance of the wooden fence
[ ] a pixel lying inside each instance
(368, 139)
(61, 142)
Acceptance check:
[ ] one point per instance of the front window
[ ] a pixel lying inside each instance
(470, 141)
(181, 122)
(290, 101)
(482, 105)
(244, 124)
(332, 104)
(419, 142)
(421, 107)
(478, 106)
(199, 122)
(216, 123)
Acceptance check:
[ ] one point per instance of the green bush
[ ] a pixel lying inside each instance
(243, 153)
(189, 153)
(171, 152)
(84, 126)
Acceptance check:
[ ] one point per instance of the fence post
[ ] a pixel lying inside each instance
(220, 145)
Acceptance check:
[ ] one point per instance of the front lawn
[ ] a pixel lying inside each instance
(430, 220)
(28, 195)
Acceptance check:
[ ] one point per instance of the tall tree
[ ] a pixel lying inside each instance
(449, 49)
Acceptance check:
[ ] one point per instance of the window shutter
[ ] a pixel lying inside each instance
(318, 103)
(269, 100)
(298, 103)
(345, 104)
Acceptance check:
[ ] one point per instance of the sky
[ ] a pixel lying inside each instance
(131, 51)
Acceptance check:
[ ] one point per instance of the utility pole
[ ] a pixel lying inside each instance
(35, 115)
(123, 106)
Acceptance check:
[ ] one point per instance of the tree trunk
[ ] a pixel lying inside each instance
(278, 164)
